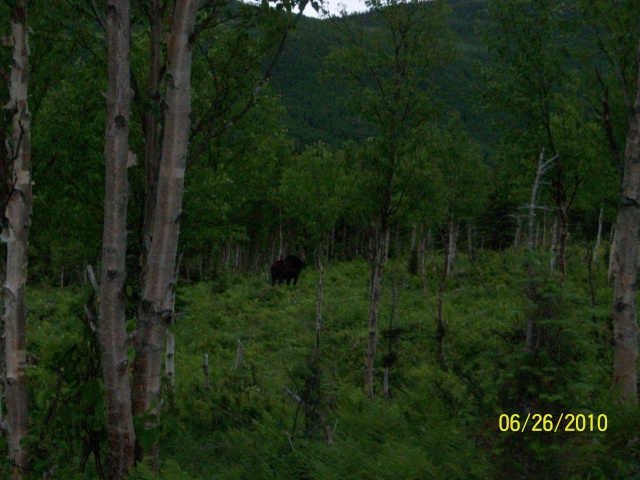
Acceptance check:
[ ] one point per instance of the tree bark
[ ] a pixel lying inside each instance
(150, 125)
(532, 328)
(380, 241)
(625, 327)
(18, 216)
(516, 236)
(470, 247)
(112, 321)
(442, 324)
(452, 246)
(170, 361)
(156, 307)
(596, 248)
(611, 271)
(422, 253)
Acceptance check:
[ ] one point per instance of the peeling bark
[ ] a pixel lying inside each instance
(18, 217)
(112, 335)
(156, 307)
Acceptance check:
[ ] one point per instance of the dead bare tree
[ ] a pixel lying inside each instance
(532, 334)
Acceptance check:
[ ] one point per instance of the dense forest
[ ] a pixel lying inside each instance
(245, 243)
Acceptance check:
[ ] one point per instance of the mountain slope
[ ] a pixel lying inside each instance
(316, 108)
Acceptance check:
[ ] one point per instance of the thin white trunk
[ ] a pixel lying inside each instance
(422, 253)
(516, 236)
(543, 166)
(452, 246)
(611, 273)
(239, 354)
(379, 251)
(531, 333)
(596, 248)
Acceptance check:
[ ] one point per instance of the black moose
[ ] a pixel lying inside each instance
(287, 269)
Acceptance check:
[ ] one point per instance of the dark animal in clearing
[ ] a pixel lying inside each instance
(287, 269)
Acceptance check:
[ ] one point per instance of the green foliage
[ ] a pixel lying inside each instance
(244, 183)
(312, 190)
(435, 425)
(450, 176)
(66, 394)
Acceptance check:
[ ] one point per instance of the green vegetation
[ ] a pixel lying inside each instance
(435, 425)
(401, 160)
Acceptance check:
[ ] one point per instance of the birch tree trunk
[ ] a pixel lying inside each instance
(380, 240)
(112, 321)
(596, 247)
(18, 215)
(150, 125)
(156, 307)
(452, 246)
(532, 331)
(612, 255)
(625, 327)
(516, 236)
(422, 253)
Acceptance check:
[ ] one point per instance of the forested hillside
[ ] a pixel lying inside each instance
(244, 243)
(316, 107)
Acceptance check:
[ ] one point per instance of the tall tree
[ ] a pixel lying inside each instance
(158, 292)
(625, 324)
(113, 336)
(16, 234)
(389, 76)
(313, 193)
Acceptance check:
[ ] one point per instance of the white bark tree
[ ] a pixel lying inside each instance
(625, 325)
(532, 332)
(156, 309)
(16, 235)
(112, 333)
